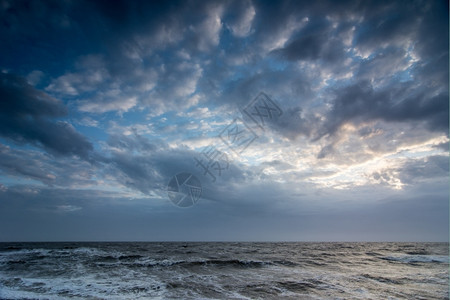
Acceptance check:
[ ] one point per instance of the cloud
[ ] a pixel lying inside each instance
(25, 164)
(414, 171)
(387, 28)
(385, 65)
(67, 208)
(401, 103)
(25, 117)
(293, 123)
(240, 18)
(35, 77)
(146, 166)
(137, 163)
(363, 87)
(207, 33)
(88, 122)
(177, 83)
(36, 166)
(91, 72)
(317, 40)
(119, 105)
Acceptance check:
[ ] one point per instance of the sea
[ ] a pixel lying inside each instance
(224, 270)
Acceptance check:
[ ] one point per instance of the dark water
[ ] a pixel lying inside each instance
(224, 270)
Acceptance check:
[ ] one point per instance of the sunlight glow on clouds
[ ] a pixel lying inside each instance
(102, 103)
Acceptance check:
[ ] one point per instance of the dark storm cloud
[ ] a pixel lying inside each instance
(306, 47)
(387, 33)
(19, 163)
(414, 171)
(433, 170)
(130, 31)
(326, 63)
(401, 103)
(293, 124)
(289, 88)
(422, 25)
(143, 26)
(383, 65)
(26, 117)
(442, 146)
(432, 45)
(143, 166)
(383, 30)
(318, 40)
(40, 166)
(43, 35)
(388, 24)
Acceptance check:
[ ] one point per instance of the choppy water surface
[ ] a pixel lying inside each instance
(224, 270)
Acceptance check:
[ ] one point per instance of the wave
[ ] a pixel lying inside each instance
(142, 261)
(383, 279)
(212, 262)
(418, 258)
(222, 271)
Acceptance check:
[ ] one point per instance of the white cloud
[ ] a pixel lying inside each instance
(90, 74)
(88, 122)
(119, 104)
(208, 32)
(67, 208)
(279, 38)
(186, 85)
(242, 27)
(66, 84)
(140, 129)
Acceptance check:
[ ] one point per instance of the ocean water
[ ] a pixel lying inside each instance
(224, 271)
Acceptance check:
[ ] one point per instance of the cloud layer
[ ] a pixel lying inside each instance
(101, 104)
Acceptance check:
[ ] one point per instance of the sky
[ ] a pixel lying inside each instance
(293, 120)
